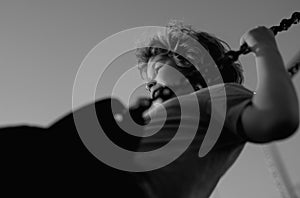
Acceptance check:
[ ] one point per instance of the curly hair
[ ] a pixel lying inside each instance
(177, 42)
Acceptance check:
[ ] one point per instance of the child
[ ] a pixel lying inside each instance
(269, 115)
(54, 160)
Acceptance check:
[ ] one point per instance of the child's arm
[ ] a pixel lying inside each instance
(274, 113)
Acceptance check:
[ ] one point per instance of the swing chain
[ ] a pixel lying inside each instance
(285, 24)
(232, 56)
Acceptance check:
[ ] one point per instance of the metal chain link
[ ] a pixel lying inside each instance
(232, 56)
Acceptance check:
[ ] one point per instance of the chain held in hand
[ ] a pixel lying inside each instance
(232, 56)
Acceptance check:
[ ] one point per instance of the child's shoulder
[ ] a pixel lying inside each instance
(225, 90)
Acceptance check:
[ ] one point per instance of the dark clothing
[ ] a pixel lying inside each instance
(37, 161)
(190, 175)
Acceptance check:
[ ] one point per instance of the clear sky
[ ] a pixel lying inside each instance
(43, 43)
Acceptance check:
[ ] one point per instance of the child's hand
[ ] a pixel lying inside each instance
(259, 40)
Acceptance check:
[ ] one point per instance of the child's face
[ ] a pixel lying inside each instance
(161, 70)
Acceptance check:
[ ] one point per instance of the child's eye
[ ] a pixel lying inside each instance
(181, 61)
(157, 67)
(158, 51)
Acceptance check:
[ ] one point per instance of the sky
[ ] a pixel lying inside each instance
(43, 44)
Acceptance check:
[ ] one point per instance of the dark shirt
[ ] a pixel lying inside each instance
(53, 161)
(190, 175)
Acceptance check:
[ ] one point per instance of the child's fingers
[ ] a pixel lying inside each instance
(258, 37)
